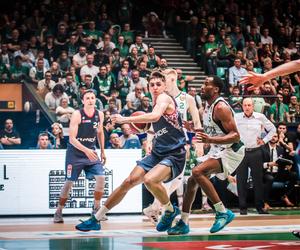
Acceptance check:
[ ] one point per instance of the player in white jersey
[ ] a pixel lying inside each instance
(226, 153)
(185, 103)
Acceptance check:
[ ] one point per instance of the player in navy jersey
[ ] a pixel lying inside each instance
(86, 127)
(165, 162)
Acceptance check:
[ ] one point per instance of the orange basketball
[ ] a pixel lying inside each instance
(139, 128)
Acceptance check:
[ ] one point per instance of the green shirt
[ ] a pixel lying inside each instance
(279, 113)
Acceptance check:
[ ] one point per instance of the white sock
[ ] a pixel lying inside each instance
(220, 207)
(185, 217)
(101, 212)
(169, 207)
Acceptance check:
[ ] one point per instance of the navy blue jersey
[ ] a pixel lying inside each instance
(86, 135)
(169, 134)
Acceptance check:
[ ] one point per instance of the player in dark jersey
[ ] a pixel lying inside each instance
(165, 162)
(86, 127)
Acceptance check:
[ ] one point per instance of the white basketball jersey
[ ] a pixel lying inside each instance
(211, 127)
(182, 105)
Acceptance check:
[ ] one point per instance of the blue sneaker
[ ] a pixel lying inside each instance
(90, 224)
(179, 228)
(222, 219)
(166, 220)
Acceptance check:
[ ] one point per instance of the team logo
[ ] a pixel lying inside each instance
(69, 171)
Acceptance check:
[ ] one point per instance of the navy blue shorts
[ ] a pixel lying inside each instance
(73, 171)
(174, 159)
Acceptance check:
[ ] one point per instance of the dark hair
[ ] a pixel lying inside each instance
(218, 82)
(157, 74)
(281, 124)
(88, 91)
(59, 87)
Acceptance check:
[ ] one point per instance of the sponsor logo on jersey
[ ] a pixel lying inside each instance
(69, 171)
(86, 139)
(161, 132)
(86, 121)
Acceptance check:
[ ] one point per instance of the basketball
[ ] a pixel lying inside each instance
(139, 128)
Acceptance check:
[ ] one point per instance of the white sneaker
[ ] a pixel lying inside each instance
(58, 217)
(152, 214)
(206, 207)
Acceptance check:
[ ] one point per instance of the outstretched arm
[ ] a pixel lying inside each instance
(258, 79)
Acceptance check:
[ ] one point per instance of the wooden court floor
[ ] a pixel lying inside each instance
(136, 232)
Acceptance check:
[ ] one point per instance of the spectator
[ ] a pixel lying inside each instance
(103, 84)
(71, 89)
(38, 73)
(43, 141)
(183, 80)
(226, 54)
(9, 137)
(266, 39)
(142, 48)
(275, 172)
(236, 72)
(52, 99)
(133, 100)
(142, 68)
(64, 112)
(89, 68)
(115, 141)
(17, 71)
(210, 51)
(136, 79)
(151, 59)
(293, 108)
(250, 53)
(279, 111)
(64, 62)
(258, 101)
(59, 141)
(79, 59)
(128, 137)
(154, 26)
(128, 34)
(235, 100)
(46, 85)
(123, 47)
(145, 105)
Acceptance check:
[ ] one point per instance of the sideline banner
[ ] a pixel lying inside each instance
(30, 182)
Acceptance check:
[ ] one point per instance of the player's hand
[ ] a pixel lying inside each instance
(260, 141)
(117, 119)
(231, 179)
(188, 125)
(255, 79)
(202, 137)
(103, 158)
(91, 154)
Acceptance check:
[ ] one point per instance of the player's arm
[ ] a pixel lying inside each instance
(101, 138)
(73, 130)
(223, 114)
(192, 108)
(162, 104)
(284, 69)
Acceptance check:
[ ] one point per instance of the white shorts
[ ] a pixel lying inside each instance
(229, 158)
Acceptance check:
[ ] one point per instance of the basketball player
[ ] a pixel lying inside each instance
(185, 103)
(166, 161)
(225, 154)
(258, 80)
(86, 125)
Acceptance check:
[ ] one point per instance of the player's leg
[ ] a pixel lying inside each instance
(153, 182)
(64, 195)
(135, 178)
(72, 173)
(201, 175)
(182, 226)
